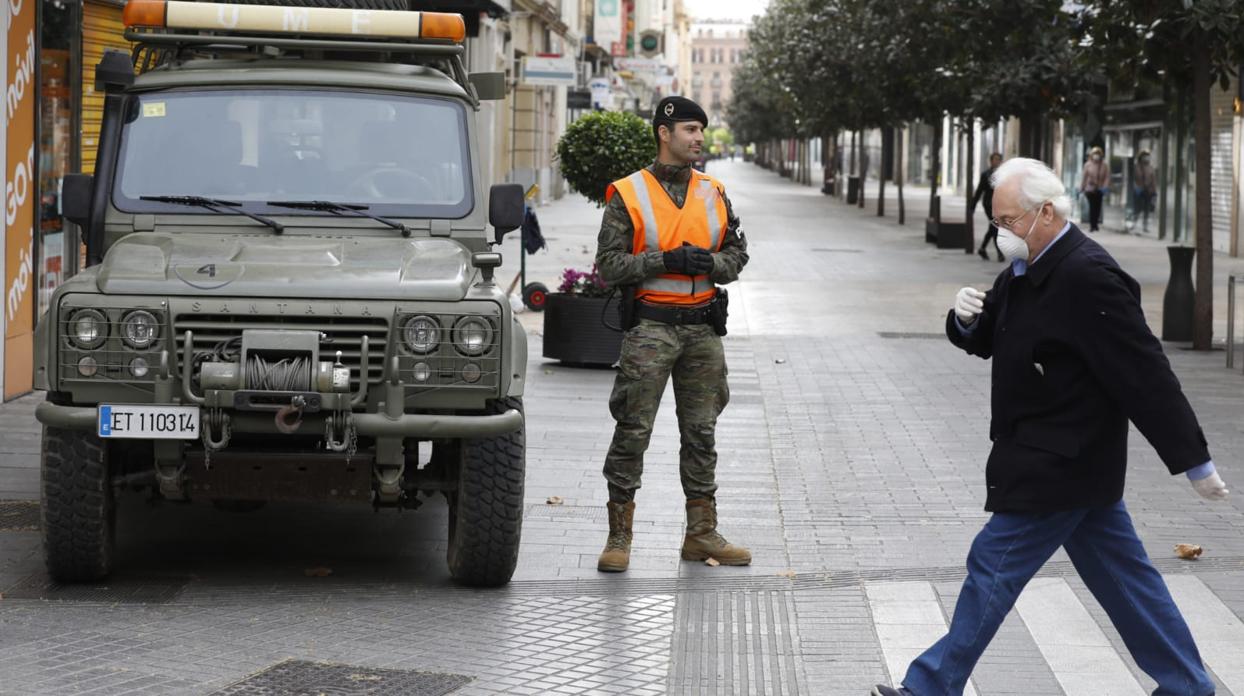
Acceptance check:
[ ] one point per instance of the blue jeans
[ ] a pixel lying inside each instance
(1109, 557)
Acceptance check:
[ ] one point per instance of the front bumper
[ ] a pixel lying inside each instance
(417, 425)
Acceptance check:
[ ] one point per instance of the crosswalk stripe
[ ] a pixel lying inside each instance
(1077, 651)
(908, 619)
(1218, 632)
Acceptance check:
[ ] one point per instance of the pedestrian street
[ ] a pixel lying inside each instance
(852, 459)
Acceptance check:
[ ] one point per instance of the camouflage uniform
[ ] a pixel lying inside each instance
(652, 351)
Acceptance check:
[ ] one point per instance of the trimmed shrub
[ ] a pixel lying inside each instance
(602, 147)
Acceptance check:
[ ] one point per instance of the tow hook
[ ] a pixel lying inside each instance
(289, 418)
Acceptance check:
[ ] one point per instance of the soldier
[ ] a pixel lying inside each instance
(670, 232)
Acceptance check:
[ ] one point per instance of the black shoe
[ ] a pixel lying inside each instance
(982, 254)
(883, 690)
(1001, 258)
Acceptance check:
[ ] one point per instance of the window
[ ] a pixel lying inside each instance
(399, 156)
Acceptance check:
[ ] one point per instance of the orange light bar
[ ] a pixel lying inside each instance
(144, 13)
(272, 19)
(443, 25)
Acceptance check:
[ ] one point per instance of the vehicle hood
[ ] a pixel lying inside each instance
(318, 267)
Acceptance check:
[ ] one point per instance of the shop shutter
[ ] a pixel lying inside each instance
(1222, 118)
(101, 30)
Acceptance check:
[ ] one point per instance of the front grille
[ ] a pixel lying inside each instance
(343, 334)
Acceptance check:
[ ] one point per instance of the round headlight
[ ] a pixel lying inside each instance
(421, 334)
(139, 367)
(88, 328)
(139, 329)
(471, 373)
(422, 372)
(472, 336)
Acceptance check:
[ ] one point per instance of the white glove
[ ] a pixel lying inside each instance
(969, 303)
(1211, 487)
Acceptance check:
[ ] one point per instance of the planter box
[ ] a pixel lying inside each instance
(574, 334)
(946, 235)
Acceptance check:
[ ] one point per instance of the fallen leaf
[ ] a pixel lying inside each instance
(780, 361)
(710, 561)
(555, 500)
(548, 372)
(365, 677)
(1188, 552)
(788, 573)
(318, 572)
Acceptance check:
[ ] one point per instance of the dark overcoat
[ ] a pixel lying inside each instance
(1073, 362)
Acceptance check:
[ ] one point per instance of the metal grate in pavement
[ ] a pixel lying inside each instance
(563, 512)
(132, 590)
(911, 335)
(19, 515)
(302, 678)
(735, 642)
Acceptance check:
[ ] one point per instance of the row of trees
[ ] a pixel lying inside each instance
(819, 67)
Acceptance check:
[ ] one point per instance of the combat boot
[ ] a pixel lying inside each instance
(617, 554)
(703, 541)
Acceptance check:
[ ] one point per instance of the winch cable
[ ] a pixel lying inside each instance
(286, 374)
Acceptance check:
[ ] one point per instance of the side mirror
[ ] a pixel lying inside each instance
(488, 86)
(115, 72)
(75, 198)
(506, 208)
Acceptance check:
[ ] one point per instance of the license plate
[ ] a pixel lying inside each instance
(148, 422)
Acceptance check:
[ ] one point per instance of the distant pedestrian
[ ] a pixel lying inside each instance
(984, 195)
(1095, 184)
(1144, 188)
(669, 232)
(1073, 362)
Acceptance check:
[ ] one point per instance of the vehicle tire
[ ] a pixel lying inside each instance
(486, 512)
(403, 5)
(79, 510)
(535, 296)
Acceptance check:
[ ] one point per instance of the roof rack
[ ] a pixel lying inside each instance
(168, 32)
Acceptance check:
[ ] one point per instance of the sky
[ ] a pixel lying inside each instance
(725, 9)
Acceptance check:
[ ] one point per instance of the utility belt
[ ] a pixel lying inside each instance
(714, 312)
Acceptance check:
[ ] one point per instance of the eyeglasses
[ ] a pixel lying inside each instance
(1009, 223)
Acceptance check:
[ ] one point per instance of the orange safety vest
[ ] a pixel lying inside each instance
(659, 224)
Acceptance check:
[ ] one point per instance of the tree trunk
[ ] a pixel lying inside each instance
(826, 162)
(1203, 306)
(863, 170)
(935, 170)
(970, 159)
(899, 176)
(887, 154)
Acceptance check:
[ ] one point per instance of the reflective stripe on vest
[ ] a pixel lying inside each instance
(661, 225)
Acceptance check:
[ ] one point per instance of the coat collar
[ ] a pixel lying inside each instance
(1039, 271)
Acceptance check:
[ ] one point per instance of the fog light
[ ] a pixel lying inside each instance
(139, 367)
(422, 372)
(87, 367)
(471, 372)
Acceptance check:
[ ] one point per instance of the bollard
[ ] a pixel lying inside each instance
(1230, 321)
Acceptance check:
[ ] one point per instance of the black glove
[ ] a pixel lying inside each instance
(688, 260)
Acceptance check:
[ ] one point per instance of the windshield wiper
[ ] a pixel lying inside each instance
(342, 209)
(214, 204)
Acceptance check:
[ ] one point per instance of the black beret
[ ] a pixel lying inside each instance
(677, 109)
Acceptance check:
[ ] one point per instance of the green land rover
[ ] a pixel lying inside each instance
(289, 292)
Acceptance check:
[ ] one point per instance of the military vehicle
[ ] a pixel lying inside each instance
(289, 290)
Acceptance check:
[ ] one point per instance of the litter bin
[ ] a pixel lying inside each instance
(853, 189)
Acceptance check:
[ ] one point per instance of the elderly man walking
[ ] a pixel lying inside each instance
(1073, 362)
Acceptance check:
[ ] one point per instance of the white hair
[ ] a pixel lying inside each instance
(1038, 184)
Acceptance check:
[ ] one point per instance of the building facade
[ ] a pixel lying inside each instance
(717, 48)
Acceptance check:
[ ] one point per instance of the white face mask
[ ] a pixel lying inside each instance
(1012, 246)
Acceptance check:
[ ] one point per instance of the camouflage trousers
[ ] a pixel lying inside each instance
(652, 352)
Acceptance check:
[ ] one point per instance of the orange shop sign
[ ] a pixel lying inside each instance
(19, 198)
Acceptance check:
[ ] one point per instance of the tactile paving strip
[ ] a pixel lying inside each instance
(302, 678)
(19, 515)
(131, 590)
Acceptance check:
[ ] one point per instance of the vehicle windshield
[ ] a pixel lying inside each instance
(399, 156)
